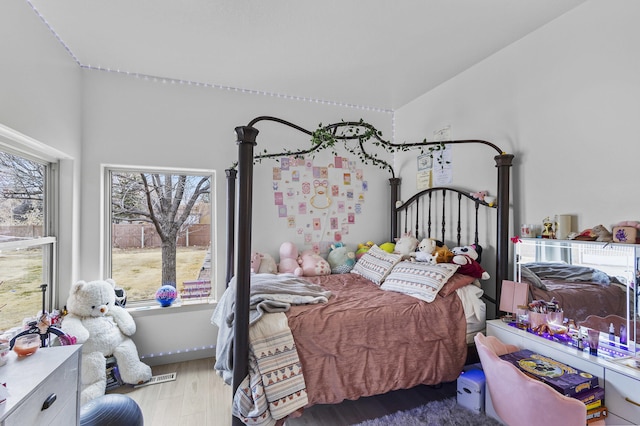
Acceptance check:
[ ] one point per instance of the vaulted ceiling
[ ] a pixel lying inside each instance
(374, 53)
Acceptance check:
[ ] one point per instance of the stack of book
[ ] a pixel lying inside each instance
(565, 379)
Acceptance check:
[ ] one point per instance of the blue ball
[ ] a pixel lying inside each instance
(166, 295)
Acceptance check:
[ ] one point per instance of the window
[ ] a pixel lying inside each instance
(27, 241)
(159, 232)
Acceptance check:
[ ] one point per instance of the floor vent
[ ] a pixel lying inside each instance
(158, 379)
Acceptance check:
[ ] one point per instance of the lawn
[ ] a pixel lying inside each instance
(136, 270)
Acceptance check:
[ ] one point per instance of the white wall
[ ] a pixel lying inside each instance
(40, 98)
(129, 120)
(564, 101)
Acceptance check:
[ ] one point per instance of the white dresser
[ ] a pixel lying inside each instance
(43, 388)
(621, 383)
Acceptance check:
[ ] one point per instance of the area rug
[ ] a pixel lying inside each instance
(436, 413)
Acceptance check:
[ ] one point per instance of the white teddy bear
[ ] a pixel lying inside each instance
(103, 329)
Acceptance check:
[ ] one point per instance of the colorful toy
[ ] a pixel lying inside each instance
(479, 195)
(289, 262)
(440, 251)
(340, 259)
(165, 295)
(313, 264)
(466, 257)
(388, 247)
(103, 329)
(363, 248)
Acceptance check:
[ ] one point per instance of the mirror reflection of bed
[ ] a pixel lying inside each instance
(587, 279)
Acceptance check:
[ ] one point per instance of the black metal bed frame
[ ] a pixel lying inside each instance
(242, 180)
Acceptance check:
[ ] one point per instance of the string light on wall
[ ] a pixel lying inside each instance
(178, 351)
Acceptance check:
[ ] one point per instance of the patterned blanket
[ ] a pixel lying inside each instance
(275, 386)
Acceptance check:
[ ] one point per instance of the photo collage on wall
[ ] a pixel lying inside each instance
(319, 201)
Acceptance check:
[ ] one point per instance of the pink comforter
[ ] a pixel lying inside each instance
(367, 341)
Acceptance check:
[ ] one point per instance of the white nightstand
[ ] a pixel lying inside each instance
(43, 388)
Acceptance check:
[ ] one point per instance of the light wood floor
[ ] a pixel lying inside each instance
(199, 397)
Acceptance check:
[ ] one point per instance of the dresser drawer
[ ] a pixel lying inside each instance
(61, 383)
(622, 397)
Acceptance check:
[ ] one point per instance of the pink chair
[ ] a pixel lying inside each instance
(520, 400)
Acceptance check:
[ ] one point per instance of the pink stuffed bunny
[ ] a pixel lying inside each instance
(289, 259)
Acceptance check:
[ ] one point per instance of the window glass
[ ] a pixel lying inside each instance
(26, 249)
(159, 232)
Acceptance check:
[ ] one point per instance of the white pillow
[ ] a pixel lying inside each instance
(419, 279)
(376, 264)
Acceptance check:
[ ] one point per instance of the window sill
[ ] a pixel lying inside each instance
(142, 309)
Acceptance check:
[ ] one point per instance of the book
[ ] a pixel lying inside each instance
(565, 379)
(592, 398)
(596, 414)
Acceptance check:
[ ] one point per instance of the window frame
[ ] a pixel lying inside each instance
(20, 145)
(107, 218)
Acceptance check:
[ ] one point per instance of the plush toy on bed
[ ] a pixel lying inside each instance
(406, 245)
(467, 257)
(424, 251)
(289, 259)
(388, 247)
(103, 329)
(440, 251)
(263, 263)
(363, 248)
(340, 259)
(313, 264)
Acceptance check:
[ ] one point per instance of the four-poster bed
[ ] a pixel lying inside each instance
(444, 328)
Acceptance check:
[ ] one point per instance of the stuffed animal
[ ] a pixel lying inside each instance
(263, 263)
(602, 233)
(479, 195)
(363, 248)
(441, 252)
(289, 262)
(340, 259)
(256, 260)
(406, 245)
(313, 264)
(103, 329)
(425, 250)
(388, 247)
(466, 257)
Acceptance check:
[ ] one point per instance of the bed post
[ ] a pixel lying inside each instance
(503, 163)
(231, 220)
(395, 185)
(246, 142)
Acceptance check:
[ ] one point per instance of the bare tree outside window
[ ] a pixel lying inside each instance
(25, 257)
(163, 210)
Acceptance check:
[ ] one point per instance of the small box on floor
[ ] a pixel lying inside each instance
(471, 388)
(113, 375)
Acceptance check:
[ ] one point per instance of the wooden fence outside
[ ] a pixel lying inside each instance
(127, 235)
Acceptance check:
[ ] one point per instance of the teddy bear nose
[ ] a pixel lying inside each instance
(103, 309)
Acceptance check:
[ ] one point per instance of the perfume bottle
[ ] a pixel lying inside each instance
(623, 334)
(612, 334)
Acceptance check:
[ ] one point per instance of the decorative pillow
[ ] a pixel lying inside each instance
(455, 282)
(419, 279)
(376, 264)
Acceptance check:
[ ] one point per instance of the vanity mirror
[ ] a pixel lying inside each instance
(594, 283)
